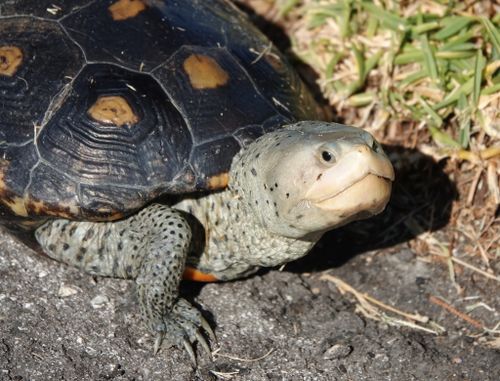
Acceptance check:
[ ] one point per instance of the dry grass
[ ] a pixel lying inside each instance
(422, 75)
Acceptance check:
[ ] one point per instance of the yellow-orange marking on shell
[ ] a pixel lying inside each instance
(204, 72)
(191, 273)
(218, 181)
(14, 203)
(61, 209)
(11, 58)
(110, 215)
(113, 110)
(30, 224)
(125, 9)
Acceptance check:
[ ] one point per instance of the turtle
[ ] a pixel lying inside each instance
(158, 140)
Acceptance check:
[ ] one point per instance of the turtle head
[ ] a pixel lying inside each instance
(311, 177)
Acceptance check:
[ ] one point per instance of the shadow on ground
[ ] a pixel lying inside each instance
(421, 202)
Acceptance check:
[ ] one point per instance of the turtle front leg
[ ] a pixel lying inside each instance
(150, 247)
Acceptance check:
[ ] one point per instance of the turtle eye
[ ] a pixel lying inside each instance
(327, 156)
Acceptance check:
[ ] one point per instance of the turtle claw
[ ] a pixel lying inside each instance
(189, 349)
(158, 342)
(204, 344)
(182, 326)
(208, 329)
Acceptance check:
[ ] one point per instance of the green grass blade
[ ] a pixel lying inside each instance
(372, 27)
(406, 58)
(493, 33)
(331, 65)
(491, 89)
(424, 27)
(459, 47)
(452, 97)
(331, 10)
(413, 78)
(372, 62)
(429, 59)
(463, 66)
(478, 77)
(361, 99)
(460, 39)
(287, 7)
(415, 56)
(464, 121)
(345, 19)
(387, 18)
(452, 55)
(438, 121)
(361, 68)
(452, 25)
(443, 138)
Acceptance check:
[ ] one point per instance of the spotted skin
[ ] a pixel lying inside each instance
(150, 247)
(258, 221)
(236, 244)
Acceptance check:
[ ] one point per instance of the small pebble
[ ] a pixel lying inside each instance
(338, 351)
(43, 274)
(99, 301)
(65, 291)
(456, 360)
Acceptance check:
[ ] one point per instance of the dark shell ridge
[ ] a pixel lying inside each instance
(106, 105)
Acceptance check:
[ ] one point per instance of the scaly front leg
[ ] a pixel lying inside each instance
(150, 247)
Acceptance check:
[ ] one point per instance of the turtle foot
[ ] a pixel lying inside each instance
(182, 327)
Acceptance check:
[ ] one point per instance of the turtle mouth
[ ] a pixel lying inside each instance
(368, 194)
(360, 182)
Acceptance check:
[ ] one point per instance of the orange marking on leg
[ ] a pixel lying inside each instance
(190, 273)
(219, 181)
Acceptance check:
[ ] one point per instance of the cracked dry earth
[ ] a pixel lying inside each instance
(59, 324)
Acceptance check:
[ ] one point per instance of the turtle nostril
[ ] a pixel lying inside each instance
(363, 149)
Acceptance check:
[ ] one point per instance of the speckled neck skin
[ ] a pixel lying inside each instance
(281, 194)
(236, 244)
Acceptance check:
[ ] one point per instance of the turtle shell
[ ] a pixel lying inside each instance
(105, 105)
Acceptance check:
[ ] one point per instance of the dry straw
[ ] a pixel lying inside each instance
(436, 63)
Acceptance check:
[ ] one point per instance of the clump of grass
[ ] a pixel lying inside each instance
(433, 62)
(423, 74)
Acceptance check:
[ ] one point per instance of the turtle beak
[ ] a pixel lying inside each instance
(360, 181)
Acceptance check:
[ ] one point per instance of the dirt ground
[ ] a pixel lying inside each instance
(59, 324)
